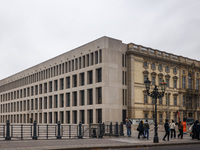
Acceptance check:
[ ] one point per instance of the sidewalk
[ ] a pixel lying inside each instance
(86, 144)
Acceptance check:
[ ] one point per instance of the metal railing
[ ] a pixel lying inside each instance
(57, 131)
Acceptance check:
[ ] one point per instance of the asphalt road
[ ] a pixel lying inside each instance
(178, 147)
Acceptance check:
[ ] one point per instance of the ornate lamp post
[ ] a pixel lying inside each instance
(155, 94)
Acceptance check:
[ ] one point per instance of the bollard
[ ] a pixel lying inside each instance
(111, 128)
(121, 129)
(7, 131)
(34, 137)
(103, 126)
(79, 131)
(58, 136)
(116, 129)
(100, 130)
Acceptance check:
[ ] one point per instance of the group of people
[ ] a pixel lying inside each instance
(170, 128)
(143, 129)
(195, 130)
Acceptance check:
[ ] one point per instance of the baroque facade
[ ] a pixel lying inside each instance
(101, 81)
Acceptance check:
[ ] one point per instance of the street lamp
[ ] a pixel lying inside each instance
(155, 94)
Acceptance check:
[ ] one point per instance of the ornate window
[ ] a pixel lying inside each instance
(175, 71)
(183, 82)
(153, 66)
(175, 81)
(160, 67)
(197, 84)
(145, 74)
(145, 64)
(175, 100)
(189, 81)
(183, 71)
(167, 69)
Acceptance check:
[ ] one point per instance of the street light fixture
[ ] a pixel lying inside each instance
(155, 94)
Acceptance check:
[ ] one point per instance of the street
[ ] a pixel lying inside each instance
(177, 147)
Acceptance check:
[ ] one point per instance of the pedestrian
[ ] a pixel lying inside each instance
(172, 126)
(194, 128)
(146, 129)
(128, 127)
(198, 131)
(167, 130)
(140, 129)
(180, 128)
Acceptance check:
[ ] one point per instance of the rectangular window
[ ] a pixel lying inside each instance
(76, 63)
(55, 85)
(99, 75)
(36, 104)
(67, 82)
(96, 57)
(145, 77)
(82, 79)
(74, 103)
(62, 84)
(40, 103)
(61, 100)
(67, 99)
(92, 59)
(74, 119)
(45, 87)
(100, 56)
(80, 63)
(88, 60)
(90, 96)
(167, 100)
(50, 86)
(122, 60)
(82, 116)
(50, 102)
(72, 65)
(74, 77)
(90, 77)
(55, 101)
(45, 102)
(82, 97)
(99, 95)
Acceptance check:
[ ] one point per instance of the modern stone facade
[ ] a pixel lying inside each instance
(101, 81)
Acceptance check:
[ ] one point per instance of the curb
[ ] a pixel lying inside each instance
(126, 146)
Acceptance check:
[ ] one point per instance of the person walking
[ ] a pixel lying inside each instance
(140, 129)
(172, 126)
(194, 128)
(146, 129)
(128, 127)
(198, 131)
(167, 130)
(180, 128)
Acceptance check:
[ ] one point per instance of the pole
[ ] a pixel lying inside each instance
(155, 139)
(167, 106)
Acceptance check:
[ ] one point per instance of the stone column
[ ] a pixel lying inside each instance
(130, 84)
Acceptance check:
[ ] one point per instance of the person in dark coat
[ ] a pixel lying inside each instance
(198, 131)
(140, 129)
(167, 130)
(194, 128)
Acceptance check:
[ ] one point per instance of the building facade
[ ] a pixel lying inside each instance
(102, 81)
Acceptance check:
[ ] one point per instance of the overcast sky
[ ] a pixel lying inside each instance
(33, 31)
